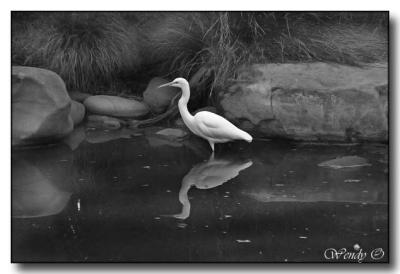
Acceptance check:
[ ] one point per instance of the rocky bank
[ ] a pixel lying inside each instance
(310, 102)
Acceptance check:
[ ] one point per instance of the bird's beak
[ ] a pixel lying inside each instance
(166, 85)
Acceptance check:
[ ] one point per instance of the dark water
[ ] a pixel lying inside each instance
(129, 196)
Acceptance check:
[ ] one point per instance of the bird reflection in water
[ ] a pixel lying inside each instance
(208, 175)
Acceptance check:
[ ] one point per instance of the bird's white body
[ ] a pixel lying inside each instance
(208, 125)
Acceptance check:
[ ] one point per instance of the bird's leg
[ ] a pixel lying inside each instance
(212, 145)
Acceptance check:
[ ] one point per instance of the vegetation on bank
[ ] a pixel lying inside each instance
(122, 51)
(90, 51)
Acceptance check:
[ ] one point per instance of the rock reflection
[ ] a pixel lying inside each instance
(41, 181)
(75, 138)
(103, 136)
(206, 175)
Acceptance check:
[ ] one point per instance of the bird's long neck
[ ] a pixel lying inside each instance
(182, 105)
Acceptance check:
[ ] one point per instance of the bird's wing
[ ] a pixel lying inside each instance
(215, 126)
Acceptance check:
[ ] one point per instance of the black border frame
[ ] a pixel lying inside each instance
(207, 265)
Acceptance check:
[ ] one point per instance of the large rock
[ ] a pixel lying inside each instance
(158, 137)
(159, 98)
(315, 101)
(115, 106)
(40, 106)
(173, 133)
(101, 121)
(104, 136)
(77, 112)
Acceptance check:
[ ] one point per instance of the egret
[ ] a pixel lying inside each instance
(208, 125)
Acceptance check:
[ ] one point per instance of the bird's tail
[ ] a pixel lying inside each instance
(245, 136)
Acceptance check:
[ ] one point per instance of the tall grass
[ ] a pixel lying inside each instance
(224, 41)
(98, 50)
(176, 41)
(88, 50)
(182, 43)
(347, 38)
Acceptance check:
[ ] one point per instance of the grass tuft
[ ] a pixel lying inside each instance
(89, 50)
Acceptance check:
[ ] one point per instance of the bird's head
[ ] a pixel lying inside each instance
(178, 82)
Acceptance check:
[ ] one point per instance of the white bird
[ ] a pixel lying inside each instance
(208, 125)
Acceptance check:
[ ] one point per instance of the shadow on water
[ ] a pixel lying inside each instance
(101, 196)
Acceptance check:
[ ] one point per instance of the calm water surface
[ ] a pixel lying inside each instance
(137, 196)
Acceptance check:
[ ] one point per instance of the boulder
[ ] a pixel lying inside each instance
(77, 112)
(104, 136)
(101, 121)
(159, 98)
(312, 102)
(115, 106)
(79, 96)
(160, 137)
(179, 123)
(174, 133)
(156, 141)
(40, 106)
